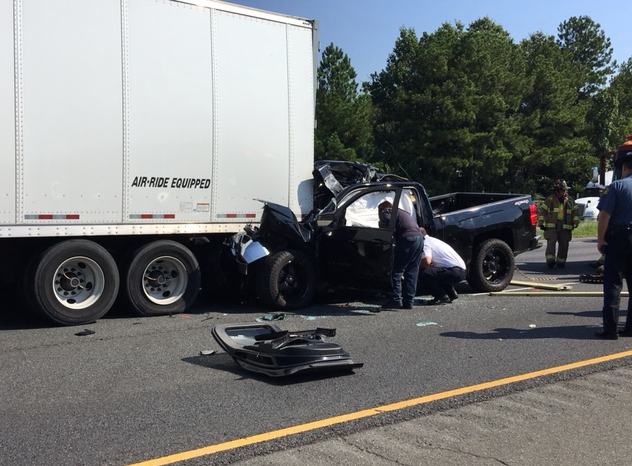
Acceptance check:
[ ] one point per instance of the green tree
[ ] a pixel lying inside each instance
(342, 112)
(621, 88)
(391, 91)
(468, 109)
(590, 49)
(553, 117)
(493, 68)
(605, 121)
(447, 104)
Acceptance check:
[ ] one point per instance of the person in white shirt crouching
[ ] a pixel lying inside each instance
(441, 268)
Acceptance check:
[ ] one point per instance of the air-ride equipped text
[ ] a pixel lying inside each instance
(168, 182)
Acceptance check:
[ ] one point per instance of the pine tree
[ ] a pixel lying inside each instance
(343, 129)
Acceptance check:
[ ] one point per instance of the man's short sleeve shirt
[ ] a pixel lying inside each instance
(617, 201)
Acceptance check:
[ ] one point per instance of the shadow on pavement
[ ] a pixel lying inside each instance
(572, 332)
(223, 361)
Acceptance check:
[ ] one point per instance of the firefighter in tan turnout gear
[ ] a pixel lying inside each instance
(558, 217)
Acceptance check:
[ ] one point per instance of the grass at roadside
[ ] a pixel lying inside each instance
(585, 228)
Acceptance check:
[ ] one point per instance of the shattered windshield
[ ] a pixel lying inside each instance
(330, 207)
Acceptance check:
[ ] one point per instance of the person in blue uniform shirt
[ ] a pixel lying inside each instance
(409, 244)
(614, 238)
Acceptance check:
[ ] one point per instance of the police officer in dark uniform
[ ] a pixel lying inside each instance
(614, 238)
(409, 245)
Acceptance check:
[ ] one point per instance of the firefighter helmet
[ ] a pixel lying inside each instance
(624, 153)
(560, 184)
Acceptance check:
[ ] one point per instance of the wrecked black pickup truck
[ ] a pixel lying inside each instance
(341, 243)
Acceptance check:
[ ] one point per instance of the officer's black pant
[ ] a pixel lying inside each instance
(618, 266)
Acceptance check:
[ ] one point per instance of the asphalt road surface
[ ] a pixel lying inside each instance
(142, 389)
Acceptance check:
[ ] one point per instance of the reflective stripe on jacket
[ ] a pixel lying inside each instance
(548, 215)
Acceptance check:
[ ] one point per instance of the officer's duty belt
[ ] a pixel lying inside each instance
(620, 229)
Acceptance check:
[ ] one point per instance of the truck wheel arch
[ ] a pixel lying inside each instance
(492, 266)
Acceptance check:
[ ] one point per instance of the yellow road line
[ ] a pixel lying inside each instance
(275, 434)
(575, 294)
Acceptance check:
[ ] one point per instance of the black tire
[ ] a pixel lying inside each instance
(163, 277)
(74, 282)
(287, 280)
(492, 266)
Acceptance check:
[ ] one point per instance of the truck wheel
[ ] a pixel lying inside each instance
(73, 282)
(287, 280)
(492, 266)
(162, 278)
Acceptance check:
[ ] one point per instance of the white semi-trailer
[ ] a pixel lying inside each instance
(131, 130)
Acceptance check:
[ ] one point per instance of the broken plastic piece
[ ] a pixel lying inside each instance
(269, 317)
(85, 332)
(266, 349)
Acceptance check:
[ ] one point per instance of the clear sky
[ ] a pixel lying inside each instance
(366, 30)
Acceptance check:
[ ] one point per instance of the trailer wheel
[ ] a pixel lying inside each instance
(162, 278)
(73, 282)
(287, 280)
(492, 266)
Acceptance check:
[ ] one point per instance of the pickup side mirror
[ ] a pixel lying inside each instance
(337, 221)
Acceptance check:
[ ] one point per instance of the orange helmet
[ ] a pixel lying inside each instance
(624, 153)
